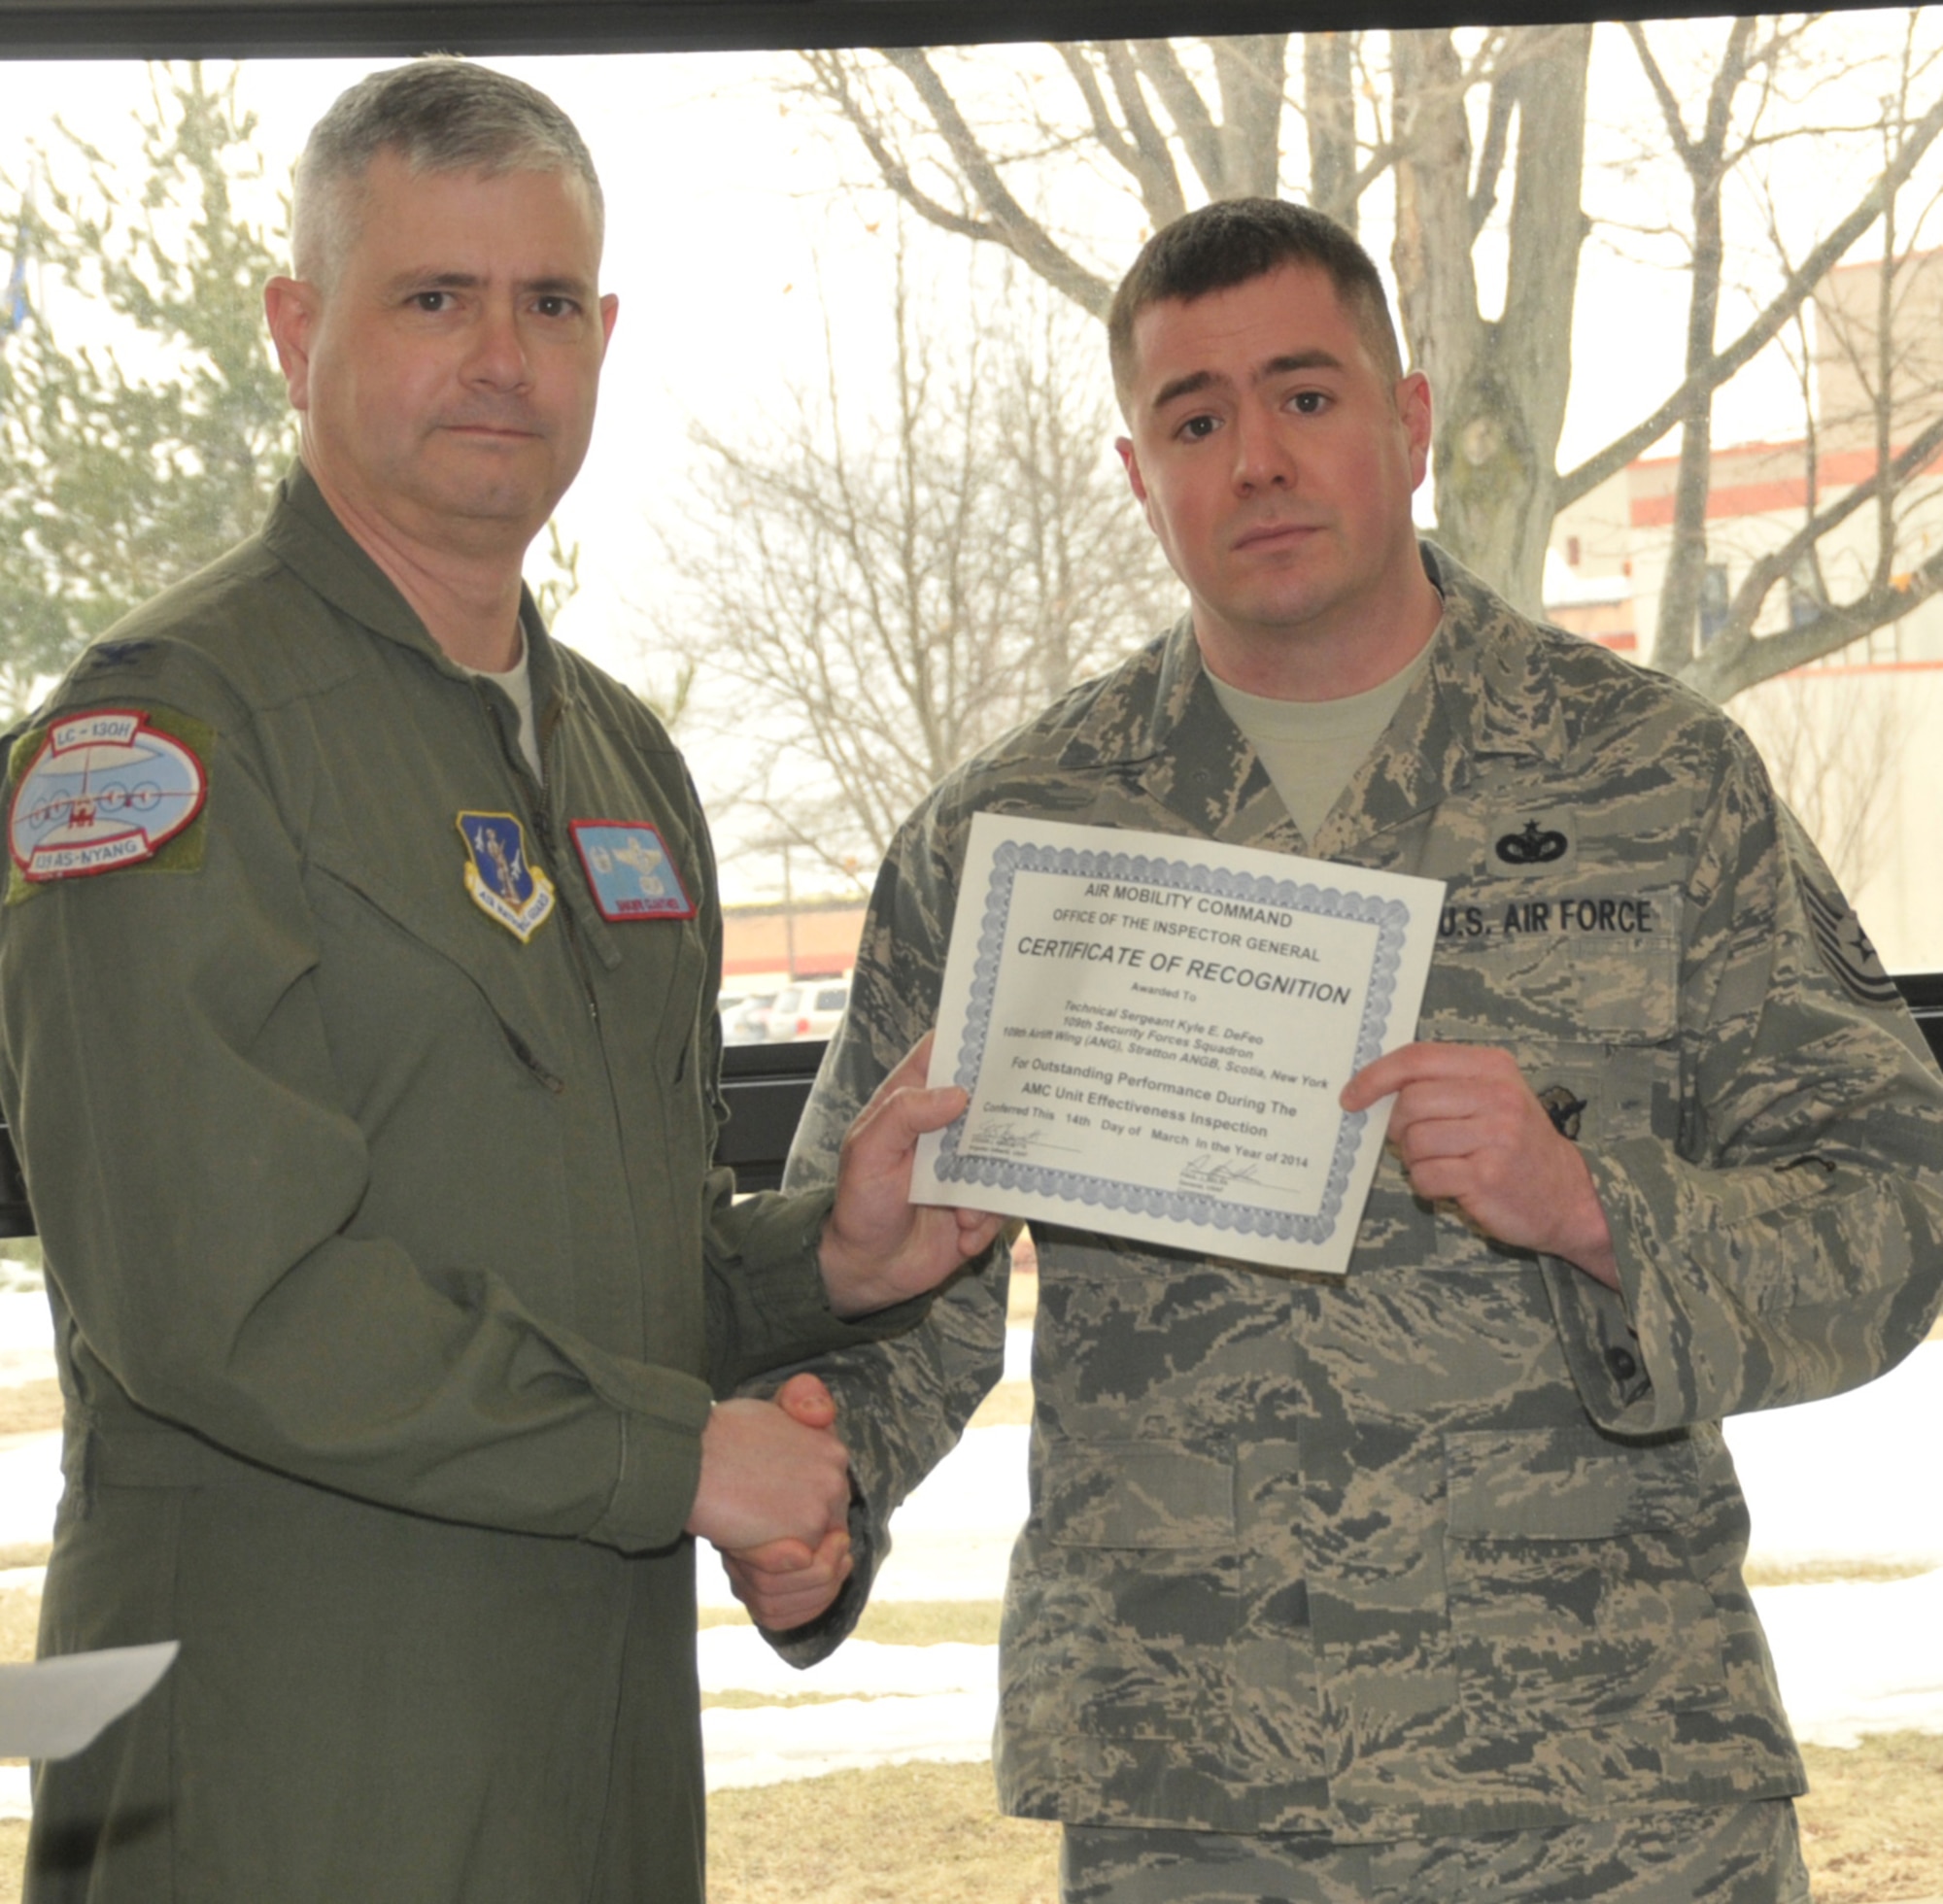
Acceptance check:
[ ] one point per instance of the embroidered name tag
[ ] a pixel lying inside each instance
(503, 883)
(105, 790)
(629, 870)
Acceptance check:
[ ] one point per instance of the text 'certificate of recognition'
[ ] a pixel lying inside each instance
(1154, 1031)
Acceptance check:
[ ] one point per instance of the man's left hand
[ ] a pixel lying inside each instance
(878, 1247)
(1470, 1132)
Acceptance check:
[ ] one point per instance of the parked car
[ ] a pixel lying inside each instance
(813, 1008)
(745, 1018)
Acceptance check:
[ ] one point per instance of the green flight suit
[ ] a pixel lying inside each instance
(1451, 1545)
(392, 1280)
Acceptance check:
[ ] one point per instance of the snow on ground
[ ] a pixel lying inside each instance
(1849, 1480)
(26, 1338)
(1857, 1658)
(30, 1486)
(1851, 1477)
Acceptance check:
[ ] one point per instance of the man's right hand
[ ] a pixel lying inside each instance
(769, 1476)
(784, 1584)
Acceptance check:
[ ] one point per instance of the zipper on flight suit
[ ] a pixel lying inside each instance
(549, 844)
(537, 811)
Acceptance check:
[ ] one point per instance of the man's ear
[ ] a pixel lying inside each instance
(1131, 464)
(1413, 401)
(291, 307)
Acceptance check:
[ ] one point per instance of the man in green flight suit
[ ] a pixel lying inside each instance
(358, 966)
(1422, 1584)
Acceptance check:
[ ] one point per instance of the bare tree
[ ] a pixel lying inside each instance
(1476, 132)
(1832, 741)
(1872, 409)
(874, 596)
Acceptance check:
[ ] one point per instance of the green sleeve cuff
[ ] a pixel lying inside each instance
(657, 1460)
(770, 1305)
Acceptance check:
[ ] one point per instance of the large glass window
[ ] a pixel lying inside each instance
(853, 509)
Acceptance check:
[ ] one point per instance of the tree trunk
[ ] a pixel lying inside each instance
(1329, 112)
(1499, 387)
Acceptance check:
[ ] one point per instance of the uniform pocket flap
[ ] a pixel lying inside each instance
(1138, 1494)
(1565, 1484)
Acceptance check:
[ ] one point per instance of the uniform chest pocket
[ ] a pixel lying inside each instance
(1590, 1013)
(1573, 1602)
(1580, 966)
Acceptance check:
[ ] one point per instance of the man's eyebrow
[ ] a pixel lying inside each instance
(1299, 360)
(1196, 381)
(552, 285)
(1188, 385)
(404, 283)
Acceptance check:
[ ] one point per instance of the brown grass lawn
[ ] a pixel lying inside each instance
(928, 1834)
(1872, 1830)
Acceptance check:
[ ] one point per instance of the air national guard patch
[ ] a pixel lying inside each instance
(104, 790)
(503, 883)
(629, 870)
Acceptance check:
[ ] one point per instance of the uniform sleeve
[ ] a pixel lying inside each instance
(1789, 1244)
(197, 1175)
(767, 1305)
(902, 1404)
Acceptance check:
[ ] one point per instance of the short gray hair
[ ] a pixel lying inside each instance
(439, 114)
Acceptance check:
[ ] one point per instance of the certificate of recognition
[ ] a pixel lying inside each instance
(1154, 1031)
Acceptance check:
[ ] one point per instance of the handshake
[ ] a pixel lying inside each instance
(774, 1497)
(774, 1491)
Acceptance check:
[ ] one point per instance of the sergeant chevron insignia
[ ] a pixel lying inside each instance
(1846, 949)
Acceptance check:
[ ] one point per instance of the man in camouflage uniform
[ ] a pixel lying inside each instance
(1428, 1578)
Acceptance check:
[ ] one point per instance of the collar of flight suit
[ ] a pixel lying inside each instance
(306, 534)
(1487, 693)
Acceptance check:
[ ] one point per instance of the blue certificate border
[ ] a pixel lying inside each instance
(1390, 917)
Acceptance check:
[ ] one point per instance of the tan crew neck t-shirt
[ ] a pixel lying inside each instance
(1312, 749)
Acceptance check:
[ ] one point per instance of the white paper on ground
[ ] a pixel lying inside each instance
(55, 1707)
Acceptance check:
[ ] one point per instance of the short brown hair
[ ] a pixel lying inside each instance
(438, 114)
(1233, 242)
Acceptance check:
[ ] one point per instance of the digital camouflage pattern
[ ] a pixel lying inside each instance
(1451, 1545)
(1742, 1854)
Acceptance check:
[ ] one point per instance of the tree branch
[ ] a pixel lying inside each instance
(1491, 160)
(1016, 228)
(1814, 267)
(1160, 183)
(835, 83)
(1188, 111)
(1835, 627)
(1737, 636)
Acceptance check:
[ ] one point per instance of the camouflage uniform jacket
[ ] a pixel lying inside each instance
(1451, 1545)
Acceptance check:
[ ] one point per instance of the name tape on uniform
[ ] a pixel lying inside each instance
(629, 870)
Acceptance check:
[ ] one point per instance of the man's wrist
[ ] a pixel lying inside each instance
(848, 1286)
(1586, 1239)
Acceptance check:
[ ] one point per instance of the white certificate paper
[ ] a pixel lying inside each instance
(1154, 1031)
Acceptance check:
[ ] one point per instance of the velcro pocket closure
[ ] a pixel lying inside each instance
(1154, 1495)
(1565, 1484)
